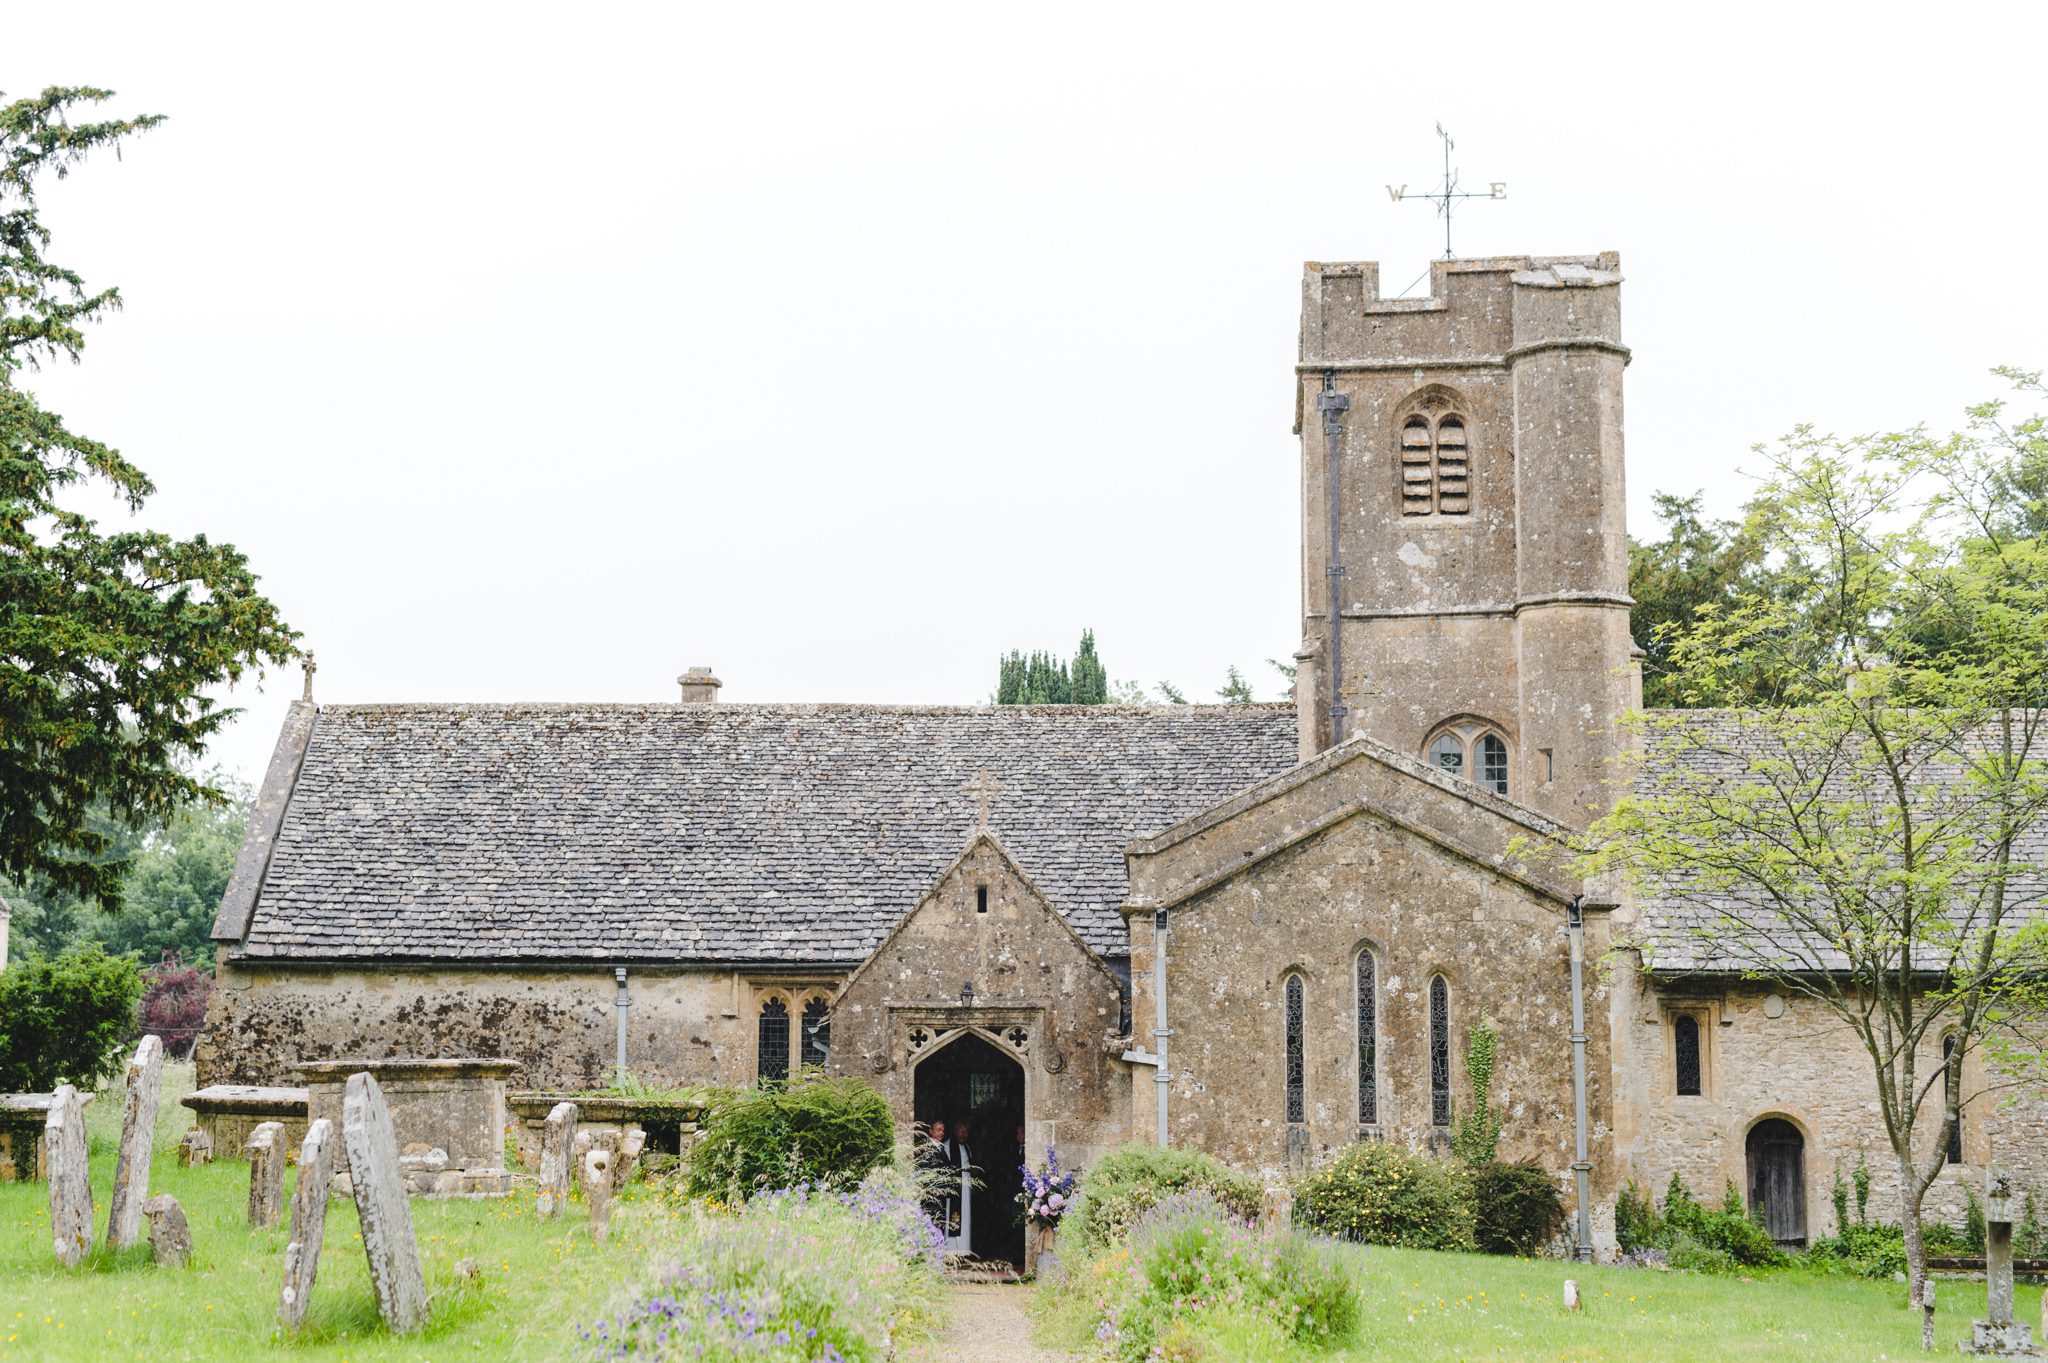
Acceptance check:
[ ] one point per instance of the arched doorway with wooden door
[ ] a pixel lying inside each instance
(971, 1079)
(1776, 1155)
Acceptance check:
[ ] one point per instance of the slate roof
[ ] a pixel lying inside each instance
(1684, 923)
(718, 833)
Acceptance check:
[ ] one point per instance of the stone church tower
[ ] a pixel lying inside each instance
(1462, 503)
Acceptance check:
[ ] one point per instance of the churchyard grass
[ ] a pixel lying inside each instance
(1421, 1304)
(539, 1282)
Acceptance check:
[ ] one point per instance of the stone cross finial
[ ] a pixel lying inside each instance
(984, 789)
(309, 667)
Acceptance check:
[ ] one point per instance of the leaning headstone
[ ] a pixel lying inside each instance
(578, 1148)
(64, 1152)
(170, 1239)
(1571, 1295)
(309, 1222)
(557, 1138)
(379, 1188)
(196, 1149)
(597, 1191)
(266, 1174)
(1927, 1315)
(138, 1134)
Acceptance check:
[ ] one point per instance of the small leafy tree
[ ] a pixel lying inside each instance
(1236, 690)
(174, 996)
(65, 1019)
(1857, 830)
(110, 643)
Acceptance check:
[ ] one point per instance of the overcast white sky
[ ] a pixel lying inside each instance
(535, 353)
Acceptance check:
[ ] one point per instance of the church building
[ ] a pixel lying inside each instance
(1263, 930)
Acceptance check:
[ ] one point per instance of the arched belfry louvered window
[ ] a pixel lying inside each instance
(1297, 1096)
(1368, 1041)
(1955, 1134)
(816, 1033)
(1436, 470)
(771, 1041)
(1439, 1052)
(1685, 1045)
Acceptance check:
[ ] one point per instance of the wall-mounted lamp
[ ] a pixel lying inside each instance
(967, 994)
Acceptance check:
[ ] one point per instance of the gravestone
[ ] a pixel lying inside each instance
(196, 1149)
(1999, 1335)
(70, 1172)
(170, 1238)
(266, 1175)
(630, 1146)
(138, 1135)
(597, 1191)
(1927, 1314)
(309, 1222)
(1571, 1295)
(379, 1188)
(557, 1138)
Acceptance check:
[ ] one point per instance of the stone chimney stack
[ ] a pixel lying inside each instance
(699, 686)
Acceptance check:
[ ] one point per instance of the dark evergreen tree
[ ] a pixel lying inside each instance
(1090, 678)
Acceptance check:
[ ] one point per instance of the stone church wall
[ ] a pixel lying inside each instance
(1032, 977)
(1802, 1065)
(1423, 911)
(682, 1027)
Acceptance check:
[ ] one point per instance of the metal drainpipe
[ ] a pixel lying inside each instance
(1333, 405)
(1582, 1167)
(619, 974)
(1160, 1031)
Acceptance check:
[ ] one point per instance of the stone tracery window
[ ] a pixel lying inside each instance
(1439, 1052)
(1297, 1099)
(1436, 477)
(771, 1042)
(1368, 1040)
(1473, 750)
(815, 1043)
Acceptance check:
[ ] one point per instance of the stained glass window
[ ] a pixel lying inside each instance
(1493, 764)
(1447, 752)
(1685, 1035)
(1368, 1042)
(1297, 1103)
(772, 1041)
(1439, 1052)
(817, 1033)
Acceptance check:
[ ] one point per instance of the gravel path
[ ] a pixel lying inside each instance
(990, 1325)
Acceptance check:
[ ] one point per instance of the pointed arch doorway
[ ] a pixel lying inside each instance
(971, 1079)
(1776, 1155)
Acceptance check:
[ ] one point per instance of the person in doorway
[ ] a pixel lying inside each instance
(937, 1156)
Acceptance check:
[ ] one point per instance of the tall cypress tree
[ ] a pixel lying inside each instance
(1090, 679)
(1047, 679)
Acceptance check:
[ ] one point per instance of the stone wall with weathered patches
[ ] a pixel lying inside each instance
(683, 1026)
(1040, 996)
(1363, 882)
(1768, 1053)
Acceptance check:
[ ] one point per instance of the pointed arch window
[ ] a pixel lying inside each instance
(1948, 1093)
(1474, 750)
(1436, 478)
(771, 1042)
(1297, 1097)
(1439, 1052)
(1368, 1040)
(1685, 1038)
(816, 1035)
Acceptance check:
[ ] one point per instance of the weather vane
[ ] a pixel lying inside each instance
(1448, 193)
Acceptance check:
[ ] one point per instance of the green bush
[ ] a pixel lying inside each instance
(1381, 1194)
(1865, 1250)
(1974, 1228)
(1636, 1223)
(813, 1130)
(1685, 1252)
(66, 1019)
(1941, 1238)
(1690, 1235)
(1123, 1187)
(1516, 1208)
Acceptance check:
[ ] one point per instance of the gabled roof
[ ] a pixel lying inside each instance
(714, 833)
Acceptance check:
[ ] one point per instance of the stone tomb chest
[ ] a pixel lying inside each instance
(22, 1116)
(230, 1113)
(450, 1116)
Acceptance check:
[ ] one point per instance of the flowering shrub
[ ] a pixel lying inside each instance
(1381, 1194)
(802, 1275)
(1047, 1191)
(1189, 1259)
(1120, 1189)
